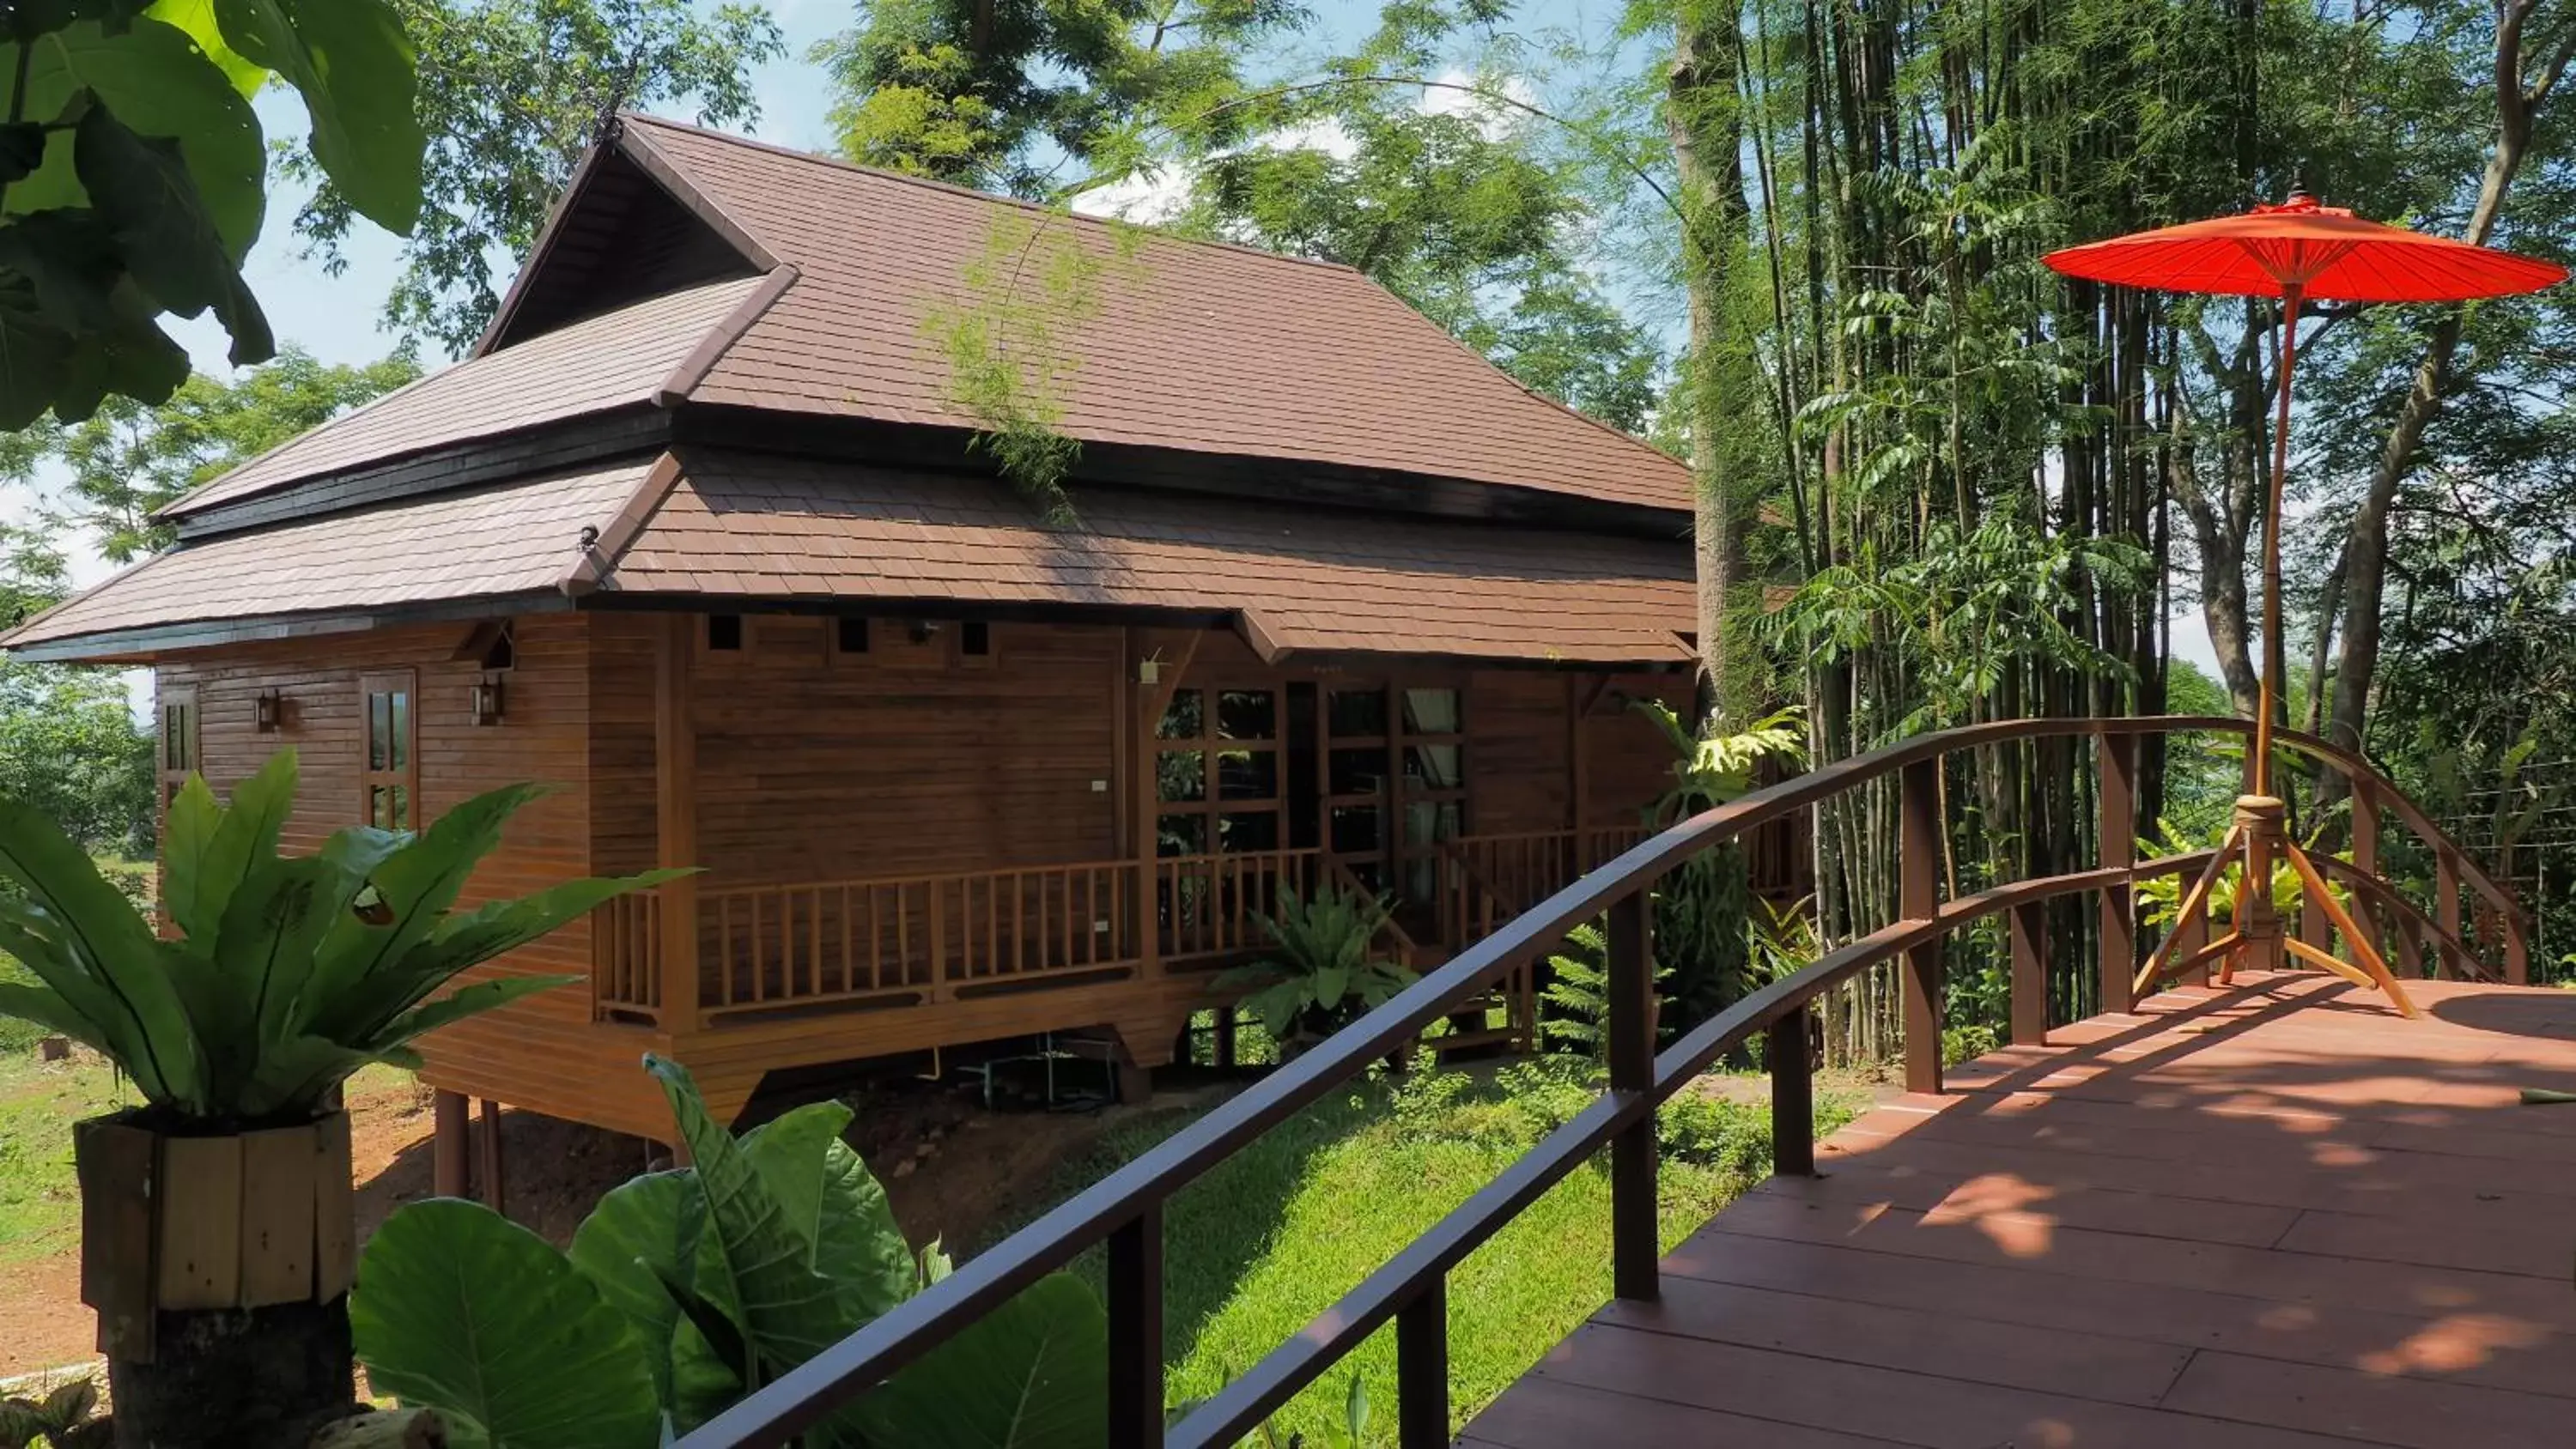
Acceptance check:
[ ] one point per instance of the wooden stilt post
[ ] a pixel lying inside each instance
(491, 1188)
(1793, 1096)
(1919, 889)
(2446, 912)
(675, 801)
(1225, 1036)
(447, 1146)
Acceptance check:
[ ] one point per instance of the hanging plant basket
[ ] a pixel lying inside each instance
(182, 1224)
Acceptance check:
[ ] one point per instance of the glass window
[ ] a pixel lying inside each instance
(1430, 822)
(1431, 767)
(1181, 775)
(398, 741)
(1181, 717)
(724, 631)
(851, 635)
(1431, 711)
(1248, 830)
(1357, 772)
(1247, 714)
(380, 729)
(1247, 774)
(1181, 835)
(1356, 827)
(1357, 714)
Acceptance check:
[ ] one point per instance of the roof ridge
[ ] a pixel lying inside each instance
(754, 143)
(178, 506)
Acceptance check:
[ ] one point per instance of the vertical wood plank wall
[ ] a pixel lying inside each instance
(815, 764)
(544, 1053)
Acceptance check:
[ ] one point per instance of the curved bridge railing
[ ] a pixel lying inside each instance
(1126, 1209)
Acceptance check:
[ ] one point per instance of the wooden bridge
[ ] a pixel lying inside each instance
(2274, 1215)
(2278, 1215)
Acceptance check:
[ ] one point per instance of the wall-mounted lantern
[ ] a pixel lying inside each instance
(268, 712)
(487, 702)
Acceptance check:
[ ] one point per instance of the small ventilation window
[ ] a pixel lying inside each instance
(851, 635)
(724, 631)
(975, 639)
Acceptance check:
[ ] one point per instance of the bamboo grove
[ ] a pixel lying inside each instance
(1942, 484)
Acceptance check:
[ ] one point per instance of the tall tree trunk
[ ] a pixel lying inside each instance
(2518, 103)
(1705, 122)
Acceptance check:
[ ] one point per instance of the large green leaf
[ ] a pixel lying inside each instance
(292, 1076)
(461, 1310)
(187, 834)
(762, 1272)
(354, 65)
(33, 353)
(268, 931)
(416, 884)
(461, 1003)
(245, 833)
(157, 82)
(196, 19)
(643, 1235)
(108, 943)
(1031, 1373)
(143, 192)
(352, 856)
(109, 336)
(858, 1244)
(47, 1008)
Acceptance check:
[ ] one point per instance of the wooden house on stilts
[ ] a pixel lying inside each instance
(701, 532)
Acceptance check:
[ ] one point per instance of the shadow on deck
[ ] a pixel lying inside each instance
(2277, 1216)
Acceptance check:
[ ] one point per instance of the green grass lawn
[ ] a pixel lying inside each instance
(39, 1102)
(1272, 1237)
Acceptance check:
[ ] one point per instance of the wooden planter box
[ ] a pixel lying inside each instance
(174, 1223)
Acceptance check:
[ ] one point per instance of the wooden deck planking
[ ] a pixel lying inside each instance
(2276, 1216)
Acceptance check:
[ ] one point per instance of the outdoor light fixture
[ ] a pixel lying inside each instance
(487, 701)
(923, 631)
(266, 711)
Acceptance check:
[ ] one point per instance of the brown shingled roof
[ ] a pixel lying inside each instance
(516, 539)
(1308, 579)
(618, 357)
(1190, 345)
(764, 529)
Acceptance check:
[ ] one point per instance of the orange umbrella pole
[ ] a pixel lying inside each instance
(2274, 686)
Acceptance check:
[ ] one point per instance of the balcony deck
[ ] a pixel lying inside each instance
(2278, 1216)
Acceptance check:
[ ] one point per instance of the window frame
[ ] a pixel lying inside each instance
(402, 770)
(173, 773)
(1210, 745)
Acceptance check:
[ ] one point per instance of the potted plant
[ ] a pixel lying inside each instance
(1324, 969)
(217, 1227)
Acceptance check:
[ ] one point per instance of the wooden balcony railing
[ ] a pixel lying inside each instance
(922, 938)
(1410, 1290)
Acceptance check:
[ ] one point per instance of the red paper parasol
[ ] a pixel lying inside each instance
(2296, 251)
(2325, 253)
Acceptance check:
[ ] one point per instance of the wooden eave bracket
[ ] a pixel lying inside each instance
(599, 558)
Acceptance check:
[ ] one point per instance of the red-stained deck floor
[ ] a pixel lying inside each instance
(2279, 1216)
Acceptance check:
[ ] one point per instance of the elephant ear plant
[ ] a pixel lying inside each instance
(685, 1290)
(284, 975)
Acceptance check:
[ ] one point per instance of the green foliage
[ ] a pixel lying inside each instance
(1009, 347)
(1323, 971)
(978, 93)
(61, 1418)
(133, 176)
(69, 748)
(1703, 907)
(130, 458)
(511, 91)
(684, 1290)
(2162, 895)
(288, 973)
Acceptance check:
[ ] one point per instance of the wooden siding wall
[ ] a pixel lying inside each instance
(544, 1053)
(814, 765)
